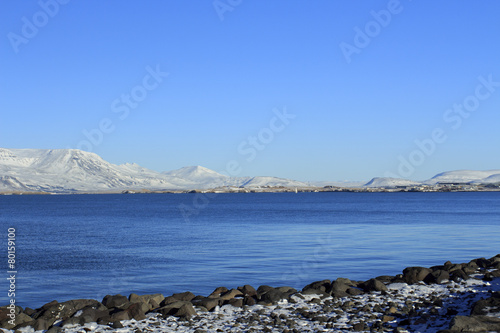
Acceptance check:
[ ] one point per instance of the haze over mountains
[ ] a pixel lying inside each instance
(73, 171)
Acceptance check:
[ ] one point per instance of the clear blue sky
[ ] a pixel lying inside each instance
(364, 80)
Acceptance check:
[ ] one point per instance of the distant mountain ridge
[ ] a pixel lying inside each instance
(76, 171)
(73, 171)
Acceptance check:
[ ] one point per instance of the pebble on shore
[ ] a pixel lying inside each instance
(447, 298)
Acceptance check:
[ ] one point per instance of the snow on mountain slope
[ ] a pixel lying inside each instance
(271, 181)
(71, 170)
(195, 173)
(491, 179)
(389, 182)
(462, 176)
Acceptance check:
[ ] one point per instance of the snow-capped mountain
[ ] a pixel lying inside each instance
(72, 170)
(389, 182)
(465, 176)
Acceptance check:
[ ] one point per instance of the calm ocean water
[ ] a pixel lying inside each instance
(87, 246)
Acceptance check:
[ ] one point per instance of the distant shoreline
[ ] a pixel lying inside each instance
(327, 189)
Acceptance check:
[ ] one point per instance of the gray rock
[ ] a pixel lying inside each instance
(475, 324)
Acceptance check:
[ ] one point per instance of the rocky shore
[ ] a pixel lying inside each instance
(462, 297)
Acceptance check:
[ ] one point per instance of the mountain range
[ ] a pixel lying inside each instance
(76, 171)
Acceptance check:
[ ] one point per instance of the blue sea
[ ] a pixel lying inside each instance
(88, 246)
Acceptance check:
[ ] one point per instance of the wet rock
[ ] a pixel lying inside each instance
(490, 304)
(482, 262)
(119, 315)
(179, 309)
(458, 275)
(236, 302)
(169, 300)
(153, 300)
(273, 296)
(55, 311)
(373, 285)
(218, 291)
(321, 286)
(248, 290)
(262, 290)
(231, 294)
(412, 275)
(354, 291)
(475, 324)
(115, 301)
(207, 302)
(437, 276)
(186, 296)
(186, 311)
(249, 301)
(138, 311)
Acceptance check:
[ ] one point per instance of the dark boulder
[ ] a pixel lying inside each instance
(248, 290)
(231, 294)
(475, 324)
(321, 286)
(437, 276)
(182, 309)
(412, 275)
(273, 296)
(218, 291)
(207, 302)
(115, 301)
(373, 285)
(490, 304)
(65, 310)
(186, 296)
(262, 290)
(458, 275)
(138, 311)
